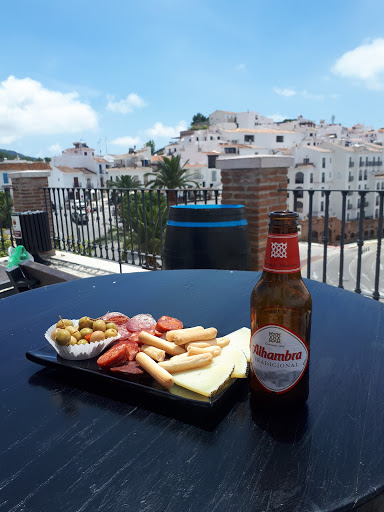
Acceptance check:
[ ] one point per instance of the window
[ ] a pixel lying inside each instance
(323, 163)
(299, 177)
(311, 178)
(322, 177)
(305, 160)
(214, 175)
(218, 138)
(210, 138)
(322, 191)
(5, 178)
(249, 138)
(89, 183)
(85, 153)
(212, 161)
(360, 175)
(377, 200)
(279, 138)
(322, 206)
(230, 150)
(365, 174)
(197, 138)
(377, 186)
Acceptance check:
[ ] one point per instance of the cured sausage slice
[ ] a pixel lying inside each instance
(131, 347)
(131, 368)
(115, 317)
(140, 322)
(115, 356)
(168, 323)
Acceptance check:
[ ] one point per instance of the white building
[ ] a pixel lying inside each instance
(83, 157)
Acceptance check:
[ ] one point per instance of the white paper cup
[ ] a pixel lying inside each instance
(78, 352)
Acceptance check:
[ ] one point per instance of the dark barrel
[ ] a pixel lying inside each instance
(206, 236)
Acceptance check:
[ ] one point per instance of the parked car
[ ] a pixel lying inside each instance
(79, 216)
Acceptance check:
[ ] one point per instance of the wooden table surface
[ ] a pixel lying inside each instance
(70, 444)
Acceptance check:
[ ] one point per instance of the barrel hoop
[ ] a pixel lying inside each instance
(228, 224)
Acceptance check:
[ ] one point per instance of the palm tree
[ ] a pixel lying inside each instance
(124, 182)
(170, 174)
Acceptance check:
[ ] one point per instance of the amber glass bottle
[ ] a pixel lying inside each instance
(281, 307)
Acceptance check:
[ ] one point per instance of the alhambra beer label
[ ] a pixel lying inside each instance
(278, 356)
(282, 254)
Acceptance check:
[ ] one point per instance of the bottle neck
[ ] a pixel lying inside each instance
(282, 252)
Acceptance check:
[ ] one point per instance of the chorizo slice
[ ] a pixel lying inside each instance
(115, 356)
(168, 323)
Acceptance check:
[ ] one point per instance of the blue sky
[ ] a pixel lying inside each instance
(116, 74)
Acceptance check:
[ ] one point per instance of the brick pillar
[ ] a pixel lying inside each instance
(254, 182)
(28, 193)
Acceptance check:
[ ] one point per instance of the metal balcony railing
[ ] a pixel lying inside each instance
(368, 227)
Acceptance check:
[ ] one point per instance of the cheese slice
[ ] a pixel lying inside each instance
(241, 339)
(206, 380)
(238, 357)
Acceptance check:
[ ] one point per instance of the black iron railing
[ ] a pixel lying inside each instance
(6, 236)
(128, 226)
(356, 230)
(123, 225)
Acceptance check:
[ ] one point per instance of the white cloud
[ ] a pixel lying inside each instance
(365, 62)
(27, 108)
(285, 92)
(310, 96)
(126, 106)
(277, 117)
(160, 130)
(55, 149)
(126, 141)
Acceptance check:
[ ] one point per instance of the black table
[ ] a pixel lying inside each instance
(72, 445)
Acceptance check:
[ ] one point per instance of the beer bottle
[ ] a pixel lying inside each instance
(281, 308)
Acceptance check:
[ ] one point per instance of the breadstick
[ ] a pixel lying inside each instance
(216, 342)
(186, 363)
(181, 338)
(170, 334)
(215, 351)
(154, 353)
(179, 356)
(223, 342)
(154, 341)
(200, 344)
(158, 373)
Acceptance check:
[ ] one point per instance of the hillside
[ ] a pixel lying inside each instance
(11, 155)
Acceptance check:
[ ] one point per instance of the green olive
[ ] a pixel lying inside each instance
(85, 321)
(53, 335)
(77, 335)
(62, 337)
(73, 341)
(97, 336)
(82, 342)
(70, 329)
(110, 333)
(85, 330)
(111, 325)
(99, 325)
(62, 324)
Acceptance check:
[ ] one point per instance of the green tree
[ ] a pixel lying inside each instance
(5, 213)
(170, 174)
(199, 119)
(151, 144)
(146, 213)
(125, 181)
